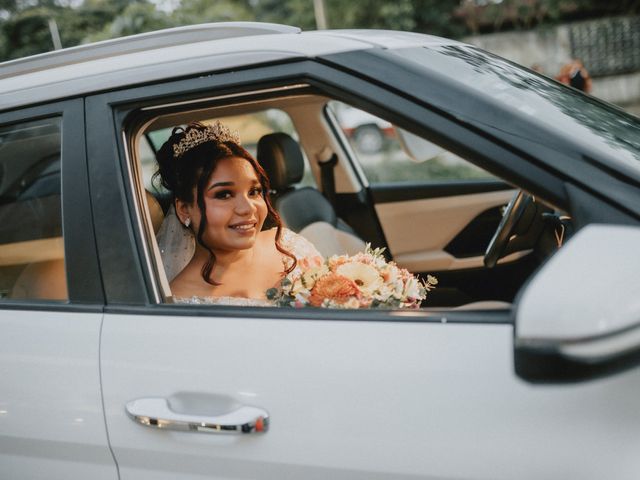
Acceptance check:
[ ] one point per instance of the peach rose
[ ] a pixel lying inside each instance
(310, 262)
(332, 287)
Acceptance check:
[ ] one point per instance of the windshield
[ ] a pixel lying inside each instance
(600, 128)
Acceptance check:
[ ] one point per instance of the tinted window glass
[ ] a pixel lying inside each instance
(388, 154)
(604, 130)
(31, 246)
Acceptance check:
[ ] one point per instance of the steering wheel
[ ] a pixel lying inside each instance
(512, 214)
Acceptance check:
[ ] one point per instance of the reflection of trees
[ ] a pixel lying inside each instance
(392, 164)
(436, 169)
(618, 129)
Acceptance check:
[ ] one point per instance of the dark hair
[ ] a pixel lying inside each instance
(194, 168)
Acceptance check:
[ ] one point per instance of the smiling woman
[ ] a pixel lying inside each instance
(221, 198)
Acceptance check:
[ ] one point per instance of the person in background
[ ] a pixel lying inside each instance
(575, 75)
(536, 67)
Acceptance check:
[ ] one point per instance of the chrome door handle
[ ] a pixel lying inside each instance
(156, 412)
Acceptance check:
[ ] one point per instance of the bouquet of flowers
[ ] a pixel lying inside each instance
(364, 280)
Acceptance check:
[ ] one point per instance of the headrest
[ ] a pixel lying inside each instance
(282, 159)
(296, 218)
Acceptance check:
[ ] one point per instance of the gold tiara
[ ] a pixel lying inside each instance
(212, 133)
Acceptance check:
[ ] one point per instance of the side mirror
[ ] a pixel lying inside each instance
(579, 317)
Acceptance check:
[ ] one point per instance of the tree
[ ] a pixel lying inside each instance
(24, 24)
(492, 16)
(291, 12)
(137, 17)
(25, 28)
(437, 17)
(396, 15)
(27, 32)
(199, 11)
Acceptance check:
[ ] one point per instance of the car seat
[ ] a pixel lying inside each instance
(303, 209)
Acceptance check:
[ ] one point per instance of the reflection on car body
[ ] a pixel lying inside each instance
(95, 373)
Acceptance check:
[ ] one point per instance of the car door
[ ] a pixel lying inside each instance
(320, 393)
(352, 396)
(51, 418)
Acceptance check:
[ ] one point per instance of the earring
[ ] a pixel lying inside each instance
(187, 222)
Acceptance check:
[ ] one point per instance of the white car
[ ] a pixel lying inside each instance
(522, 364)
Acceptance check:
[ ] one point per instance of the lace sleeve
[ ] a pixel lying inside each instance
(305, 252)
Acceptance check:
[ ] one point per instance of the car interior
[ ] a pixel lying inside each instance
(434, 215)
(31, 246)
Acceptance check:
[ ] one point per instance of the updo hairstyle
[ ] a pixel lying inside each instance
(193, 168)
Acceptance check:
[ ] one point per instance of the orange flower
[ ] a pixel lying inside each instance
(333, 287)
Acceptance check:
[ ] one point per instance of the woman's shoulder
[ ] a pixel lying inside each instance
(185, 285)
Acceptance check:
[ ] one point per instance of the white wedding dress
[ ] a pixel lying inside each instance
(177, 246)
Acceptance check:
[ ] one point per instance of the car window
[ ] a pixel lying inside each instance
(388, 154)
(613, 134)
(31, 246)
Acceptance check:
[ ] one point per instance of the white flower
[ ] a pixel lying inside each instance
(351, 303)
(297, 287)
(310, 276)
(413, 289)
(366, 277)
(384, 292)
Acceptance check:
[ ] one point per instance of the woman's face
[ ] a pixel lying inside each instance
(235, 207)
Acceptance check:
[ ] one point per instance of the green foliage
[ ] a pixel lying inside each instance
(437, 17)
(436, 170)
(397, 15)
(24, 24)
(493, 16)
(138, 17)
(199, 11)
(27, 32)
(291, 12)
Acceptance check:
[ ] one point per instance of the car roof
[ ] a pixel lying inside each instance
(179, 52)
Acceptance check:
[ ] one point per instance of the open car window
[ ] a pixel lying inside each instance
(433, 212)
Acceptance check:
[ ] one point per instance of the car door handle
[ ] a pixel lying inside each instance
(156, 412)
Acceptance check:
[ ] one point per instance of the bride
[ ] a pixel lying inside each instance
(221, 199)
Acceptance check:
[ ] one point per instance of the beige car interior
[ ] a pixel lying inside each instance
(31, 268)
(44, 280)
(331, 241)
(34, 269)
(432, 222)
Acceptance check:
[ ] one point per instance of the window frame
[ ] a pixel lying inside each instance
(84, 283)
(137, 292)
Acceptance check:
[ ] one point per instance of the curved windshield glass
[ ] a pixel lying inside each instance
(602, 129)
